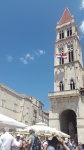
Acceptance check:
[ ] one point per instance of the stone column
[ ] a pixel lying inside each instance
(54, 120)
(80, 129)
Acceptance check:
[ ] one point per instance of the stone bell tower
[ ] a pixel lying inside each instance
(67, 100)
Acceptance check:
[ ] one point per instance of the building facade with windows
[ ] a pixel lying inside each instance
(46, 117)
(67, 100)
(9, 102)
(38, 112)
(20, 107)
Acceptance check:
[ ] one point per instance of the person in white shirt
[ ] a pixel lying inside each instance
(6, 139)
(44, 143)
(17, 143)
(0, 143)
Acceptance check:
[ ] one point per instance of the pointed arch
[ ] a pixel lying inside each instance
(61, 59)
(61, 86)
(70, 52)
(72, 84)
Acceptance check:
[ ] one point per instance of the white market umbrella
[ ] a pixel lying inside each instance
(62, 134)
(21, 131)
(9, 122)
(42, 128)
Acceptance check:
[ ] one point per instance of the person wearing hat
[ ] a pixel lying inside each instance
(17, 143)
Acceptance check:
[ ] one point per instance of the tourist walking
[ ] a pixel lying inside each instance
(30, 142)
(44, 142)
(80, 146)
(17, 143)
(83, 146)
(54, 142)
(0, 143)
(33, 141)
(22, 141)
(6, 140)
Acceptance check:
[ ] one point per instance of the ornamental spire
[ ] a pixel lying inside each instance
(66, 17)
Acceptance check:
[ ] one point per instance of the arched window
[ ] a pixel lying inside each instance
(69, 31)
(61, 34)
(61, 59)
(61, 86)
(70, 52)
(72, 84)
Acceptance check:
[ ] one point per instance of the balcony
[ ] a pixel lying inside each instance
(66, 93)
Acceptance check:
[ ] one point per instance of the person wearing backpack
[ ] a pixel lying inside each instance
(30, 142)
(37, 143)
(33, 141)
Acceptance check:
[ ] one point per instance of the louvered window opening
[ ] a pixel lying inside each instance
(70, 53)
(61, 86)
(61, 34)
(69, 31)
(72, 84)
(61, 60)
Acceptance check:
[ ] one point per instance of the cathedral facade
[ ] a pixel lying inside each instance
(67, 100)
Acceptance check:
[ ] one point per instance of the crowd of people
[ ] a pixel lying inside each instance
(8, 142)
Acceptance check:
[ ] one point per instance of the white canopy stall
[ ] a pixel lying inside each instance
(9, 122)
(42, 128)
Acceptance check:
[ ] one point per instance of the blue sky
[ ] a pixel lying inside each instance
(27, 36)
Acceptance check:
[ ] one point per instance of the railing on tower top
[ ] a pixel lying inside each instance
(65, 92)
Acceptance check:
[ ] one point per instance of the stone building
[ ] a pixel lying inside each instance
(67, 100)
(38, 112)
(26, 109)
(20, 107)
(10, 102)
(46, 117)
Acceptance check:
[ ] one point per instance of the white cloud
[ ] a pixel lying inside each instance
(9, 58)
(36, 52)
(39, 52)
(82, 27)
(28, 56)
(82, 5)
(24, 61)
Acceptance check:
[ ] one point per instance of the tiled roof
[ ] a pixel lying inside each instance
(66, 17)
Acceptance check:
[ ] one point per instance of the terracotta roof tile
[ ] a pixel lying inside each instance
(65, 17)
